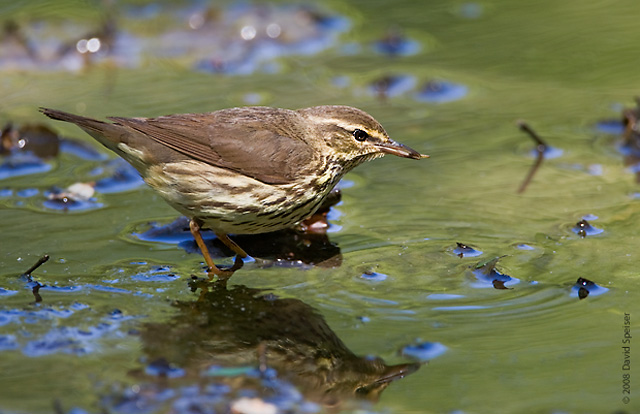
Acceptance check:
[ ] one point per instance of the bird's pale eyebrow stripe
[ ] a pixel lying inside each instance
(345, 125)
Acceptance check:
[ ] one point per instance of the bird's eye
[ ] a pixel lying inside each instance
(360, 135)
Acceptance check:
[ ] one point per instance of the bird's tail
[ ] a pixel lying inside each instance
(81, 121)
(105, 132)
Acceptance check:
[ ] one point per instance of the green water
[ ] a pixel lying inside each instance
(562, 66)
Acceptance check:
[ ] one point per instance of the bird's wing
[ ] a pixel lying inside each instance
(265, 151)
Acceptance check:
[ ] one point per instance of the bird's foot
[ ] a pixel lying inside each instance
(224, 273)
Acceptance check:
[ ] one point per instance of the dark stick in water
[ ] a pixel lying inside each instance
(27, 275)
(39, 263)
(541, 147)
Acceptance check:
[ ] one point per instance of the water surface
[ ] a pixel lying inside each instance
(526, 343)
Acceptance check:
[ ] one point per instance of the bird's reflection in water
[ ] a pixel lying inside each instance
(241, 326)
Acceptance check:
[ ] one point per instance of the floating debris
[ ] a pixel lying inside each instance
(440, 92)
(391, 86)
(395, 43)
(463, 250)
(372, 276)
(583, 229)
(585, 287)
(78, 196)
(487, 276)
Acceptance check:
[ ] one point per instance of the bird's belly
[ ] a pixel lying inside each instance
(229, 202)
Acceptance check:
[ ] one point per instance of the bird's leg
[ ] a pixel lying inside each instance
(240, 253)
(232, 245)
(194, 226)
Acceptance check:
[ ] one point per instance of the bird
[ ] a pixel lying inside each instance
(244, 170)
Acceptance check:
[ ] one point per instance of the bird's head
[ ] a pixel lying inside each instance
(350, 136)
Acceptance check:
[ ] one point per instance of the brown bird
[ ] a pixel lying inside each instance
(244, 170)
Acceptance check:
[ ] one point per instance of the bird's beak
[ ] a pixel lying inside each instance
(395, 148)
(394, 372)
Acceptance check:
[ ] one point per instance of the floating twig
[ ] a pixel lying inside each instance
(541, 148)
